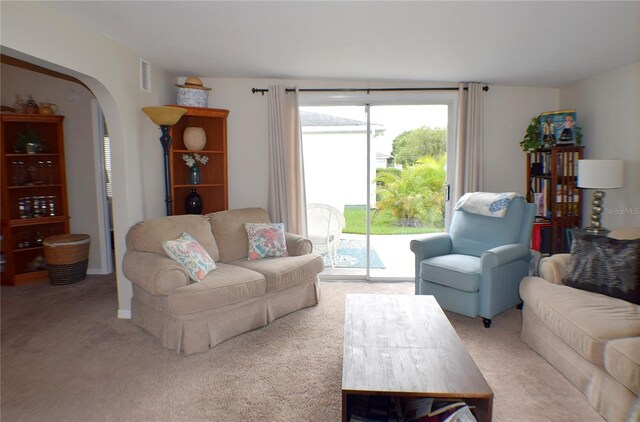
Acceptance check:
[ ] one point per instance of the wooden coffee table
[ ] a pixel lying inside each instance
(403, 345)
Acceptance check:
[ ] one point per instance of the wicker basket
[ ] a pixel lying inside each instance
(67, 257)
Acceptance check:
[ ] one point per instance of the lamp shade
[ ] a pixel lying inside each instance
(600, 174)
(164, 115)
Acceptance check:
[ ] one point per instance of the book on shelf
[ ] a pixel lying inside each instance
(371, 408)
(461, 414)
(538, 200)
(358, 418)
(430, 410)
(568, 164)
(542, 200)
(541, 236)
(413, 408)
(375, 408)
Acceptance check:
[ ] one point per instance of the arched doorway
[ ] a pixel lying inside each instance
(86, 149)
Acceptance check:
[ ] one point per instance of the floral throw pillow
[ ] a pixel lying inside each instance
(266, 240)
(187, 252)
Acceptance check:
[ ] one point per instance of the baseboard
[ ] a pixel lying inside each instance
(124, 314)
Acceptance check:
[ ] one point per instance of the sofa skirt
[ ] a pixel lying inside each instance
(200, 331)
(612, 400)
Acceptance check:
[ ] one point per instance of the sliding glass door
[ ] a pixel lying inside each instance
(379, 173)
(335, 149)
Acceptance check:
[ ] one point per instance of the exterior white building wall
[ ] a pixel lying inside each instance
(336, 167)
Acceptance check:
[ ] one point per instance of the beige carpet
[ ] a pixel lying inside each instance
(65, 357)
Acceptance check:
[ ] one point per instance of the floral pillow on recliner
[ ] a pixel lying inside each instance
(605, 265)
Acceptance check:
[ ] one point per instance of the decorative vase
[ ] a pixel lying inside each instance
(193, 203)
(194, 175)
(194, 138)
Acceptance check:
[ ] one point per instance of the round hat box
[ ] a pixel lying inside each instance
(193, 97)
(193, 93)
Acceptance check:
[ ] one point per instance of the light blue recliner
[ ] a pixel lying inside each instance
(476, 268)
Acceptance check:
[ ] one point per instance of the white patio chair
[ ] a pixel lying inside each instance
(324, 226)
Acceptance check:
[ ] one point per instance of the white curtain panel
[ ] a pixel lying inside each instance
(469, 142)
(286, 199)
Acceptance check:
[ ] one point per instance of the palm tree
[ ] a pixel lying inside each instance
(415, 195)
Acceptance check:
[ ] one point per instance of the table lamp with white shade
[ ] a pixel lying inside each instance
(599, 174)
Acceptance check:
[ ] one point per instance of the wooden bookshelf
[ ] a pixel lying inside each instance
(213, 188)
(34, 194)
(552, 177)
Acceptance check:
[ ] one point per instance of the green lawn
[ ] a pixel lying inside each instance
(381, 223)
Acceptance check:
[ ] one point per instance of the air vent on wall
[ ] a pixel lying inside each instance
(145, 75)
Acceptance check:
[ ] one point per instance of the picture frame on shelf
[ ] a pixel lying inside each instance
(558, 128)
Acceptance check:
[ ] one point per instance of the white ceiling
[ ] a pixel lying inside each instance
(511, 43)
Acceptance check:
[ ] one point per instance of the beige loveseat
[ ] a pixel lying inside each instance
(240, 295)
(591, 338)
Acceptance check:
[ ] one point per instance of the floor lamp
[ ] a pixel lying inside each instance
(165, 117)
(599, 174)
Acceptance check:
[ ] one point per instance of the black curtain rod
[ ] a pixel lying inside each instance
(367, 90)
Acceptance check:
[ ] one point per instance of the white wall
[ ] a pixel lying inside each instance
(608, 108)
(248, 164)
(79, 143)
(507, 112)
(111, 72)
(335, 168)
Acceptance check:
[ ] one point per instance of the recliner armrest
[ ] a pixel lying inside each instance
(504, 254)
(297, 245)
(553, 268)
(433, 244)
(155, 273)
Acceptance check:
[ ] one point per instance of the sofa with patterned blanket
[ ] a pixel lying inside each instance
(199, 280)
(583, 316)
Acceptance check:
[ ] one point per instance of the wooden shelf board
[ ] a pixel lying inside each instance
(201, 185)
(24, 154)
(203, 111)
(32, 277)
(38, 221)
(29, 249)
(33, 186)
(186, 151)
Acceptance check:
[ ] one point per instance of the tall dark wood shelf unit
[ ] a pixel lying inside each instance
(552, 177)
(36, 175)
(213, 188)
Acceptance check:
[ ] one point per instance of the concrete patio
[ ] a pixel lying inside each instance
(394, 252)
